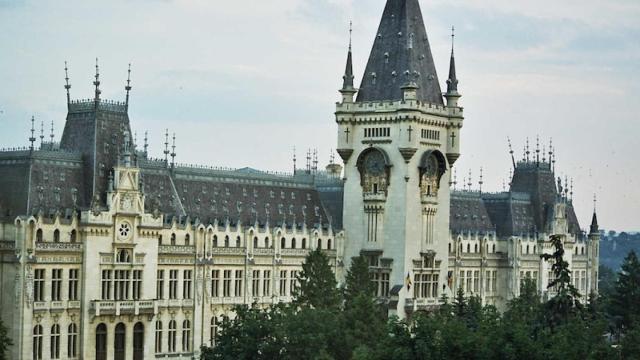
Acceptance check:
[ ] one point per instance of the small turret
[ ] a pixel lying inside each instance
(348, 90)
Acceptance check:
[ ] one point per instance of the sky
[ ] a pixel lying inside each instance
(241, 83)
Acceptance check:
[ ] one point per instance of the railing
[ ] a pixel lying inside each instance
(263, 251)
(134, 307)
(59, 246)
(177, 249)
(7, 245)
(227, 251)
(294, 252)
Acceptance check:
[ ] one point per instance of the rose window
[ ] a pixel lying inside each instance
(124, 230)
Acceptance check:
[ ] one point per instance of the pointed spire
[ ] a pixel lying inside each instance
(401, 25)
(67, 86)
(452, 80)
(348, 90)
(594, 219)
(96, 83)
(128, 86)
(32, 139)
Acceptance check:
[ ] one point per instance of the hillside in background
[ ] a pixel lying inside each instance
(615, 246)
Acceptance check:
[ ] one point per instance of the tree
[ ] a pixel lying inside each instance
(567, 300)
(363, 320)
(317, 286)
(5, 341)
(625, 300)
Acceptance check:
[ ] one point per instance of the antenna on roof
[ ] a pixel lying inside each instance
(513, 160)
(544, 151)
(308, 160)
(166, 146)
(67, 86)
(315, 160)
(510, 177)
(469, 183)
(571, 190)
(350, 32)
(332, 157)
(594, 202)
(173, 151)
(480, 182)
(527, 152)
(96, 83)
(128, 86)
(32, 139)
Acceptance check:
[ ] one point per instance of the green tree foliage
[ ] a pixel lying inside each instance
(5, 341)
(566, 302)
(625, 299)
(317, 286)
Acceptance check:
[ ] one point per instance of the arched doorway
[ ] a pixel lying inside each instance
(138, 341)
(119, 342)
(101, 342)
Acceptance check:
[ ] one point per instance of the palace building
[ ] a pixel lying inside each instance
(106, 253)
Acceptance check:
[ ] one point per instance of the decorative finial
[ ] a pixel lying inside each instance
(527, 152)
(32, 139)
(513, 160)
(571, 190)
(166, 146)
(51, 136)
(128, 87)
(350, 33)
(67, 86)
(41, 133)
(455, 178)
(294, 160)
(594, 202)
(452, 80)
(96, 83)
(469, 183)
(480, 182)
(173, 151)
(544, 152)
(146, 141)
(537, 149)
(453, 36)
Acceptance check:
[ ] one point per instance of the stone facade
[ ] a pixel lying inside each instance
(106, 253)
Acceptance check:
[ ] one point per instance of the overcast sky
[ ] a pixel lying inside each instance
(243, 82)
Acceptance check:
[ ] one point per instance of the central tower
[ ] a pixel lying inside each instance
(398, 141)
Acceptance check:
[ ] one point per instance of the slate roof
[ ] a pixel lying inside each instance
(401, 53)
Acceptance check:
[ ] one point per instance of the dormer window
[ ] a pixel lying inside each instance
(124, 256)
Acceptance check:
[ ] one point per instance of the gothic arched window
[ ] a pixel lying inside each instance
(214, 241)
(373, 167)
(138, 341)
(468, 248)
(304, 243)
(329, 244)
(119, 342)
(319, 244)
(54, 345)
(124, 256)
(283, 243)
(158, 337)
(475, 248)
(72, 340)
(173, 239)
(255, 242)
(37, 342)
(101, 342)
(226, 241)
(72, 236)
(187, 239)
(238, 242)
(56, 235)
(266, 242)
(186, 336)
(213, 331)
(293, 243)
(39, 235)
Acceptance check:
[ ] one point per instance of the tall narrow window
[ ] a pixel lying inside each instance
(72, 341)
(101, 342)
(72, 236)
(293, 281)
(186, 284)
(173, 284)
(215, 283)
(186, 336)
(304, 243)
(214, 241)
(121, 280)
(173, 239)
(329, 244)
(384, 282)
(293, 243)
(226, 284)
(56, 235)
(266, 242)
(238, 242)
(187, 240)
(56, 284)
(54, 345)
(37, 342)
(39, 237)
(319, 244)
(158, 337)
(73, 284)
(172, 336)
(137, 284)
(138, 341)
(160, 285)
(255, 283)
(255, 242)
(266, 285)
(283, 283)
(238, 283)
(38, 285)
(226, 241)
(283, 243)
(119, 342)
(106, 284)
(213, 332)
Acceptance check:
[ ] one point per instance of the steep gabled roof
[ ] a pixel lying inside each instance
(400, 54)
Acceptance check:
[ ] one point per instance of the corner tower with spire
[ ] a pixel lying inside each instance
(398, 141)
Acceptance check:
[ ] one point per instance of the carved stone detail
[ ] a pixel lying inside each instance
(345, 154)
(407, 153)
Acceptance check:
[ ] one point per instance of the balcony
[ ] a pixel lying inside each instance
(424, 304)
(131, 307)
(56, 306)
(175, 303)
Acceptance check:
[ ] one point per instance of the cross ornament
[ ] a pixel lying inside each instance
(347, 134)
(453, 139)
(410, 130)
